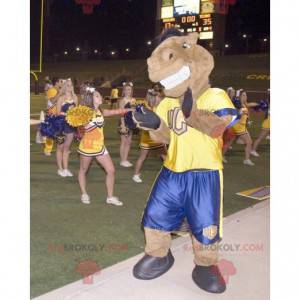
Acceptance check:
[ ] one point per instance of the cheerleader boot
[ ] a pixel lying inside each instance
(62, 173)
(68, 173)
(85, 199)
(114, 200)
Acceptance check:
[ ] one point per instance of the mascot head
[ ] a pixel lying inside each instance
(178, 63)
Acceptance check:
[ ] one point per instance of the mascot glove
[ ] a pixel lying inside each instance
(144, 119)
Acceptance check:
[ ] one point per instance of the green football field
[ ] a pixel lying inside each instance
(65, 232)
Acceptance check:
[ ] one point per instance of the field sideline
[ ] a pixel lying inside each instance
(65, 232)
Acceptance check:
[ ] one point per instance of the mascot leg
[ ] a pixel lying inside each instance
(163, 214)
(206, 274)
(158, 258)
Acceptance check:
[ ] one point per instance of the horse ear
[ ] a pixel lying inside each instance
(193, 37)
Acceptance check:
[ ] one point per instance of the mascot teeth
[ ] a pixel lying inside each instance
(177, 78)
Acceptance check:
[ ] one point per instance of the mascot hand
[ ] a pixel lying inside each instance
(187, 103)
(142, 118)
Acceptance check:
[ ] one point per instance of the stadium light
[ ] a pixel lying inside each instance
(127, 49)
(149, 43)
(66, 53)
(244, 35)
(265, 39)
(113, 52)
(95, 51)
(226, 46)
(77, 49)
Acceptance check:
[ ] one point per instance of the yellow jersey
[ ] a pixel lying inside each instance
(240, 127)
(92, 142)
(114, 93)
(147, 143)
(190, 149)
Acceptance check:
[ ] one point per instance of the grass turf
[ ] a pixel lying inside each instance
(65, 232)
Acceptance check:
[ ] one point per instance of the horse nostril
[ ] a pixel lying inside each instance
(171, 56)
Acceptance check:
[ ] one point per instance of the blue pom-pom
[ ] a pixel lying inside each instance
(128, 119)
(262, 105)
(237, 103)
(52, 126)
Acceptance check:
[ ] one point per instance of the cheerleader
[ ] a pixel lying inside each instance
(66, 100)
(92, 145)
(146, 143)
(127, 101)
(51, 97)
(265, 130)
(240, 128)
(114, 95)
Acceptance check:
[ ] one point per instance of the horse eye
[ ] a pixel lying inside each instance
(185, 45)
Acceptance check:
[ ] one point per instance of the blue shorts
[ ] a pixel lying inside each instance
(196, 195)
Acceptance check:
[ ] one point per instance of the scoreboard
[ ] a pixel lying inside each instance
(206, 17)
(201, 23)
(189, 16)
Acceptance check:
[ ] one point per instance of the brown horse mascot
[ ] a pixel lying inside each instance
(191, 120)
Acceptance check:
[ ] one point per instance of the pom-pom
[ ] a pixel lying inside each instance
(237, 103)
(79, 115)
(129, 122)
(52, 126)
(262, 105)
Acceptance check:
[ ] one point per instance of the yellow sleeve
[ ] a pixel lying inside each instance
(216, 100)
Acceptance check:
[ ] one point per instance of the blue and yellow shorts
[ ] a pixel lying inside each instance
(196, 195)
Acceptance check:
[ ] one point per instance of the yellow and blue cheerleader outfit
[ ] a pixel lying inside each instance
(92, 142)
(64, 108)
(240, 127)
(266, 122)
(51, 110)
(147, 143)
(190, 184)
(130, 104)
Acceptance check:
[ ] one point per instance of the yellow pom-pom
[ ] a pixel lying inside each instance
(79, 115)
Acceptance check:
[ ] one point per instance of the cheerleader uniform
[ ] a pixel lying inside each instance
(240, 127)
(129, 104)
(64, 108)
(51, 110)
(49, 143)
(92, 142)
(266, 122)
(147, 143)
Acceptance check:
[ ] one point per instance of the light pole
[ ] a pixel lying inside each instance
(246, 37)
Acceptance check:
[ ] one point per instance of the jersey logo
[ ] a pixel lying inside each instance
(176, 121)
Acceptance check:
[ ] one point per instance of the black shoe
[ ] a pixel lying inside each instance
(209, 279)
(150, 267)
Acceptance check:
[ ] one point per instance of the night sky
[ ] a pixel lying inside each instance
(118, 24)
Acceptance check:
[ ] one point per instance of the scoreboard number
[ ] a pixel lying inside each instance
(188, 19)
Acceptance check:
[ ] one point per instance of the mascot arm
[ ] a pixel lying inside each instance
(161, 134)
(208, 122)
(213, 123)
